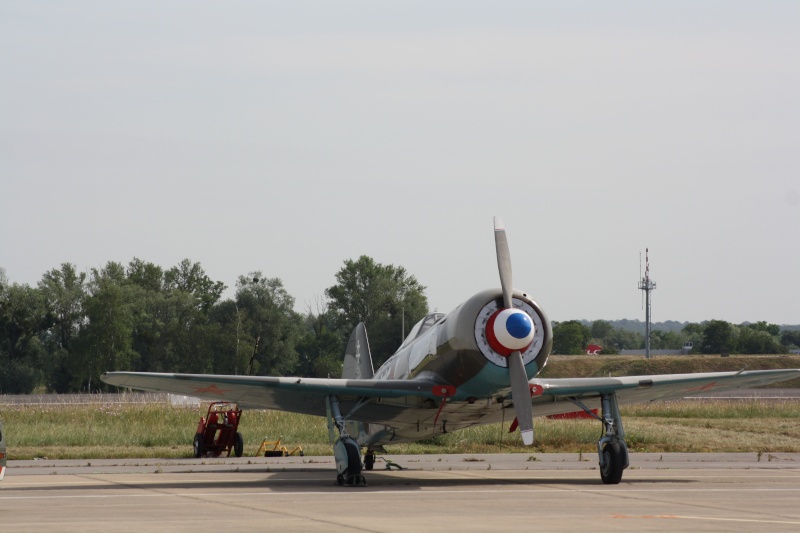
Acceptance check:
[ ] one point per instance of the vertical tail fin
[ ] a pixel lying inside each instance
(357, 357)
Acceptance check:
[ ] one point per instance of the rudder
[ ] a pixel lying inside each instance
(357, 357)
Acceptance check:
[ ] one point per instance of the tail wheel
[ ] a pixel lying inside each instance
(613, 463)
(197, 445)
(238, 445)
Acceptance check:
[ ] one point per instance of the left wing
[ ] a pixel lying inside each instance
(558, 394)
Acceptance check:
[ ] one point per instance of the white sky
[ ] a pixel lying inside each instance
(289, 136)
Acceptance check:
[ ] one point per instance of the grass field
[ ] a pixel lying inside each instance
(64, 431)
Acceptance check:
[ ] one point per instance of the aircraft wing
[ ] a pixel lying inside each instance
(558, 393)
(295, 394)
(396, 402)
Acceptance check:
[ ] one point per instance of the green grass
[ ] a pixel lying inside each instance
(108, 430)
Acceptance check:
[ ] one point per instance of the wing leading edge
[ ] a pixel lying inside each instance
(295, 394)
(559, 394)
(403, 410)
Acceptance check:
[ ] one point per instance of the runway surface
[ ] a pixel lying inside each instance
(522, 492)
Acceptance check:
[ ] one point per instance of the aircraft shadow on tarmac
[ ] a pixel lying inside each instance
(316, 481)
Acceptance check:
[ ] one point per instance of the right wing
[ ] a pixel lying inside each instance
(294, 394)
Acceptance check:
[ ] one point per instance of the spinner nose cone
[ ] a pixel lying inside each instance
(509, 330)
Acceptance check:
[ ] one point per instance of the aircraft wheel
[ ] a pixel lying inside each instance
(238, 445)
(369, 460)
(353, 459)
(197, 445)
(613, 462)
(348, 462)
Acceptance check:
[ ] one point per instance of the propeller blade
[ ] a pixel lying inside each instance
(503, 261)
(521, 393)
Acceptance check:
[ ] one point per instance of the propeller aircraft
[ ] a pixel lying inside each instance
(466, 368)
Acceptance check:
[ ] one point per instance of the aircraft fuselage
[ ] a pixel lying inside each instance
(454, 350)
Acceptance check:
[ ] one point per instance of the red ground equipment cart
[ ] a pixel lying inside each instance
(217, 433)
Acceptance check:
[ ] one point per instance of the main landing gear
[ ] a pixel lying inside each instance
(346, 450)
(611, 448)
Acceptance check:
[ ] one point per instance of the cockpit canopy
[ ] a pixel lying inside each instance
(422, 326)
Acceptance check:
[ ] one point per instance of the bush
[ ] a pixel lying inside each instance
(18, 378)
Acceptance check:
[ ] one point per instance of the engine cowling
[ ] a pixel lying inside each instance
(499, 332)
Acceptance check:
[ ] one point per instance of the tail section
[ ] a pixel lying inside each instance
(357, 357)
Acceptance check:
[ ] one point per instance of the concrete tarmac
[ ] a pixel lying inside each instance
(460, 493)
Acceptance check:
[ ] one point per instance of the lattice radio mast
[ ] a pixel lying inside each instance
(647, 285)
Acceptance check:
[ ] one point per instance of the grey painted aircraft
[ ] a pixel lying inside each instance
(467, 368)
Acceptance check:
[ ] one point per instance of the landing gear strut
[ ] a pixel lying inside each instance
(346, 450)
(611, 447)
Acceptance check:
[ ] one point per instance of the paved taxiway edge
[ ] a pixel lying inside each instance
(437, 462)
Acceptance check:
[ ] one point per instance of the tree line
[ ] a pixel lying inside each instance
(62, 334)
(711, 337)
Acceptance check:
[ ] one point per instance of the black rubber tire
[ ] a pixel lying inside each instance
(353, 459)
(614, 463)
(197, 445)
(238, 445)
(369, 460)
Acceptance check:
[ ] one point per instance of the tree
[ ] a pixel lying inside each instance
(385, 297)
(790, 338)
(757, 341)
(269, 317)
(322, 345)
(23, 316)
(771, 329)
(718, 337)
(666, 340)
(148, 276)
(190, 277)
(105, 343)
(570, 338)
(230, 353)
(64, 291)
(693, 333)
(601, 329)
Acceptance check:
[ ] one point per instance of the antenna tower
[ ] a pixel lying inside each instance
(647, 285)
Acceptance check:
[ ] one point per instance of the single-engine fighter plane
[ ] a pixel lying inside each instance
(473, 366)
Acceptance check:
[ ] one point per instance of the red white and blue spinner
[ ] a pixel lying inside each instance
(500, 332)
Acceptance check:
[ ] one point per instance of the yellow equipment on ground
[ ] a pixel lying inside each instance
(278, 450)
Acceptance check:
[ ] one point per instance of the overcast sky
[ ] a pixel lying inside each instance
(290, 136)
